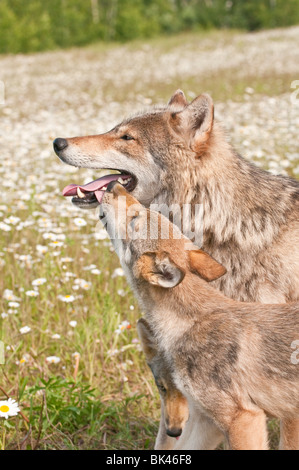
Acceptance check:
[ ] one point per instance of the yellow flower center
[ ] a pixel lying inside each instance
(4, 408)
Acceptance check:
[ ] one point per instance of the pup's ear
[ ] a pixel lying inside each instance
(178, 99)
(147, 339)
(160, 270)
(196, 122)
(205, 266)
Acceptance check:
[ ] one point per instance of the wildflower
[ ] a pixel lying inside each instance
(4, 315)
(67, 260)
(42, 249)
(8, 295)
(56, 336)
(132, 307)
(8, 408)
(12, 220)
(66, 298)
(56, 244)
(117, 272)
(112, 352)
(125, 325)
(4, 227)
(79, 222)
(101, 234)
(76, 355)
(95, 271)
(39, 282)
(32, 293)
(13, 304)
(25, 329)
(90, 267)
(121, 292)
(82, 283)
(24, 359)
(27, 258)
(53, 359)
(73, 323)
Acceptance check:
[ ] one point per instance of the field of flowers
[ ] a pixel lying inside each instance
(72, 360)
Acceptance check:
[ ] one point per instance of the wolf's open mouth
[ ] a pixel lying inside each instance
(91, 194)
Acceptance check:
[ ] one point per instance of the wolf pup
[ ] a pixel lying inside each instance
(233, 359)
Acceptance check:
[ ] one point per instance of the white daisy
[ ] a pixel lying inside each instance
(53, 359)
(12, 220)
(25, 329)
(73, 323)
(79, 222)
(117, 272)
(13, 304)
(67, 259)
(9, 295)
(39, 281)
(95, 271)
(32, 293)
(4, 227)
(8, 408)
(66, 298)
(42, 249)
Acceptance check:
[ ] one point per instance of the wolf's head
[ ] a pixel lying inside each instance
(152, 250)
(154, 152)
(174, 404)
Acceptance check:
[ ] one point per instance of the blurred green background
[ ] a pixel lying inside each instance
(37, 25)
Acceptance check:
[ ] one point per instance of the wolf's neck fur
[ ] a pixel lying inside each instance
(240, 201)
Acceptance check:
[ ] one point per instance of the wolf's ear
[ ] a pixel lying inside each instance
(196, 120)
(147, 339)
(159, 270)
(178, 99)
(205, 266)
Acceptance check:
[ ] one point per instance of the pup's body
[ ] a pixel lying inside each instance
(232, 359)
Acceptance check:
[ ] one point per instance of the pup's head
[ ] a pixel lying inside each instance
(152, 248)
(174, 404)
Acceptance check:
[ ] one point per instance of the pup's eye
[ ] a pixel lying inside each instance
(127, 137)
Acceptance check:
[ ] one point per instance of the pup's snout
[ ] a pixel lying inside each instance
(59, 144)
(111, 186)
(174, 432)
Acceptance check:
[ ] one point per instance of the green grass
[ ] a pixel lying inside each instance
(109, 403)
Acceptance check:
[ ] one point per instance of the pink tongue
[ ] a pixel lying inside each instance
(94, 186)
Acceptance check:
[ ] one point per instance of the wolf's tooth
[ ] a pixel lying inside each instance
(104, 188)
(80, 194)
(121, 181)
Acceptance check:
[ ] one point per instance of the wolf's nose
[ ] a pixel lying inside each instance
(59, 144)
